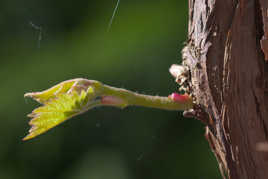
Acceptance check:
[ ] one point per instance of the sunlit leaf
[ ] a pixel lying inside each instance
(59, 107)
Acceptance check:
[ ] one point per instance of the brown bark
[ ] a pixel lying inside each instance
(227, 54)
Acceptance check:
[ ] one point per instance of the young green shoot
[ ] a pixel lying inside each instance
(73, 97)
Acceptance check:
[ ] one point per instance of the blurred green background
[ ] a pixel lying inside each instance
(106, 143)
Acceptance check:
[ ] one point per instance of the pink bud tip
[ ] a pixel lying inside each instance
(178, 97)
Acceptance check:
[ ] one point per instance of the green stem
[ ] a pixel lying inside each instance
(130, 98)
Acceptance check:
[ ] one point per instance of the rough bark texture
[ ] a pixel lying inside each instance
(227, 54)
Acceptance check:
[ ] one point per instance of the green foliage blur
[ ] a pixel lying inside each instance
(44, 42)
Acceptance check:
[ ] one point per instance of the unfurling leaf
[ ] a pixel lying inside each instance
(61, 102)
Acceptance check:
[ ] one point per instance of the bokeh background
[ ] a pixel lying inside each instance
(44, 42)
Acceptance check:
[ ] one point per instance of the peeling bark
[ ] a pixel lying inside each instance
(227, 54)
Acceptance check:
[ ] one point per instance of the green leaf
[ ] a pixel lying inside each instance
(61, 102)
(44, 96)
